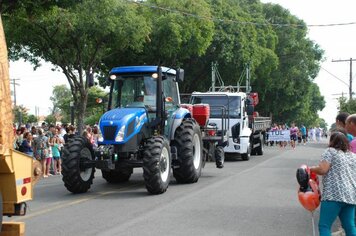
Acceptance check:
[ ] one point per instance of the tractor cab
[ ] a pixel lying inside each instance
(136, 86)
(135, 105)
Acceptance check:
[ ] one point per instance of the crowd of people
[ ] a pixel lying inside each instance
(45, 143)
(298, 135)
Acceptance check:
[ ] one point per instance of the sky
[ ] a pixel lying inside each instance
(338, 42)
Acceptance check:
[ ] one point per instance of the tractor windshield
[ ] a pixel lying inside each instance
(134, 91)
(232, 103)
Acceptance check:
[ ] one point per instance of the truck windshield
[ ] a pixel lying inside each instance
(134, 91)
(233, 103)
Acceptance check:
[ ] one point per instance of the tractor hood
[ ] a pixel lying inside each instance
(119, 125)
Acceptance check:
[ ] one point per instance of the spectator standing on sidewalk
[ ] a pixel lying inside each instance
(338, 168)
(26, 145)
(55, 145)
(95, 136)
(41, 151)
(318, 132)
(351, 128)
(350, 125)
(303, 131)
(293, 135)
(70, 133)
(341, 123)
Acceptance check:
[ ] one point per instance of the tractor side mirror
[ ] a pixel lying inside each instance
(179, 75)
(250, 110)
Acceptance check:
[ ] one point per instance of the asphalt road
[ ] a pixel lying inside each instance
(256, 197)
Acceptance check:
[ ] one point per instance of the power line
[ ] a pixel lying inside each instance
(349, 60)
(334, 76)
(214, 19)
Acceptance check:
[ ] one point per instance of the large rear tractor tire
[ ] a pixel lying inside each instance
(75, 178)
(157, 165)
(116, 176)
(189, 145)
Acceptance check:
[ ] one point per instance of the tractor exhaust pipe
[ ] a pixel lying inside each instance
(159, 101)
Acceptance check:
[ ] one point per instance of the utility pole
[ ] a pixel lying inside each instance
(13, 82)
(350, 85)
(213, 76)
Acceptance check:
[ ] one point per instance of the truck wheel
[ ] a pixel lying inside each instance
(116, 176)
(189, 145)
(246, 156)
(219, 157)
(157, 164)
(259, 149)
(77, 179)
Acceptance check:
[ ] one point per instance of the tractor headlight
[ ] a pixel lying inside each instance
(121, 134)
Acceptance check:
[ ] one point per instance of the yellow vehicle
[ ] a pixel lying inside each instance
(18, 172)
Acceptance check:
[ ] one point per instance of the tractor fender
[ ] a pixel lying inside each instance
(113, 121)
(178, 116)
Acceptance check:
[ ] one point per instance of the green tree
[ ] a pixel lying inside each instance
(347, 105)
(75, 36)
(233, 46)
(62, 98)
(291, 95)
(173, 38)
(50, 119)
(20, 114)
(32, 119)
(192, 34)
(322, 124)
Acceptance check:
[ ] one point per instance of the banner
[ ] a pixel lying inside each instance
(279, 135)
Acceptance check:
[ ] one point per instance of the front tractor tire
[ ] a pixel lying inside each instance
(157, 164)
(116, 176)
(77, 179)
(189, 145)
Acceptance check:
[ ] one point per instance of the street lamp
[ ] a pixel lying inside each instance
(71, 112)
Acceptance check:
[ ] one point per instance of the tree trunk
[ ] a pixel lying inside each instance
(81, 105)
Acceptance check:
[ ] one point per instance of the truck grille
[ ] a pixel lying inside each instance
(109, 132)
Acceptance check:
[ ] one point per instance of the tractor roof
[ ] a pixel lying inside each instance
(140, 69)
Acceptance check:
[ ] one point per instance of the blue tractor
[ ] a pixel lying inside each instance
(145, 126)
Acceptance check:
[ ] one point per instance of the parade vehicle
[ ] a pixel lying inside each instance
(146, 127)
(18, 171)
(247, 130)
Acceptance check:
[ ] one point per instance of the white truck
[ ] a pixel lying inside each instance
(246, 129)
